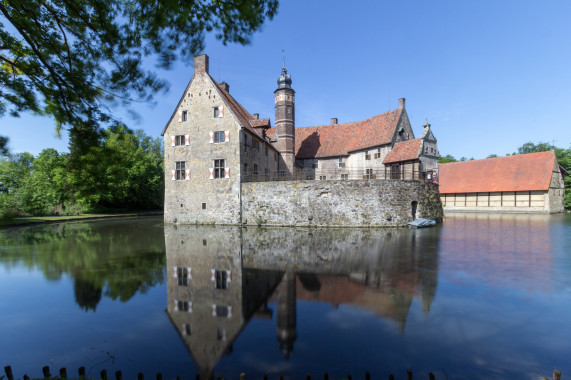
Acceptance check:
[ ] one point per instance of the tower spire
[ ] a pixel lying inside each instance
(283, 56)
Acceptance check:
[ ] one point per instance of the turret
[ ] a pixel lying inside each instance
(285, 122)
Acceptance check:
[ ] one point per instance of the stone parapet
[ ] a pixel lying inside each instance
(366, 203)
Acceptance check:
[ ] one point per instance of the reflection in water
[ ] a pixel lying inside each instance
(221, 277)
(499, 249)
(107, 257)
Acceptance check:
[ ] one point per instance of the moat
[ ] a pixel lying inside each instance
(479, 296)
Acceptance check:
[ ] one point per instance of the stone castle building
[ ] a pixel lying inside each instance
(214, 146)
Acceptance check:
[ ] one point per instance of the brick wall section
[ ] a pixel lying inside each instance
(339, 203)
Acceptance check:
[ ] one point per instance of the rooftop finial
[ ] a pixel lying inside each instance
(283, 55)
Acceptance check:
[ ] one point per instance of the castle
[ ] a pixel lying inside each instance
(214, 147)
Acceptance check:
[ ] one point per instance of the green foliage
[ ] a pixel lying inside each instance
(122, 170)
(446, 159)
(72, 59)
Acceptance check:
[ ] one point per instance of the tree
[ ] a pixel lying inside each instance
(73, 59)
(530, 147)
(446, 159)
(492, 156)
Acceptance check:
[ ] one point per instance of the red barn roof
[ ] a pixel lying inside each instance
(340, 139)
(404, 151)
(511, 173)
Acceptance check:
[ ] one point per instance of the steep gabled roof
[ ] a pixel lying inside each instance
(243, 116)
(512, 173)
(404, 151)
(340, 139)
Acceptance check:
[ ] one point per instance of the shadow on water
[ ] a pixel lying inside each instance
(219, 278)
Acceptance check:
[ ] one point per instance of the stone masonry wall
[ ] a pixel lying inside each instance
(373, 203)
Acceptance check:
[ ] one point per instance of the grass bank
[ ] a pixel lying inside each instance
(31, 220)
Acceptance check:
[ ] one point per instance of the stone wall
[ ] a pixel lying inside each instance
(374, 203)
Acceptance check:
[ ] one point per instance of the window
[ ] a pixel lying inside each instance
(221, 311)
(219, 137)
(369, 174)
(204, 206)
(182, 275)
(315, 164)
(344, 176)
(322, 177)
(245, 168)
(309, 177)
(341, 163)
(425, 149)
(184, 116)
(216, 112)
(255, 144)
(221, 335)
(218, 168)
(186, 329)
(267, 172)
(221, 279)
(179, 140)
(378, 154)
(180, 170)
(367, 156)
(275, 156)
(255, 169)
(182, 306)
(266, 150)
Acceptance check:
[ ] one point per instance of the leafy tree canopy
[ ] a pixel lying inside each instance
(73, 59)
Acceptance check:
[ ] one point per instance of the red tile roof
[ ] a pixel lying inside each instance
(404, 151)
(340, 139)
(257, 123)
(512, 173)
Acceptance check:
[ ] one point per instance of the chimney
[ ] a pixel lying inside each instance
(256, 116)
(334, 120)
(225, 86)
(201, 64)
(401, 103)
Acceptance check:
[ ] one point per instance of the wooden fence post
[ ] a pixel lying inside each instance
(325, 376)
(103, 374)
(140, 376)
(26, 377)
(367, 376)
(408, 374)
(8, 371)
(159, 376)
(46, 371)
(63, 373)
(118, 375)
(391, 377)
(556, 375)
(308, 376)
(431, 376)
(81, 372)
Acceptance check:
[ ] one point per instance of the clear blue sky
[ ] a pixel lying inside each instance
(488, 75)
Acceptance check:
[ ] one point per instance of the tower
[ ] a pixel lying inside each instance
(285, 122)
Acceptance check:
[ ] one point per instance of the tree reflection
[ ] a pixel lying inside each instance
(110, 258)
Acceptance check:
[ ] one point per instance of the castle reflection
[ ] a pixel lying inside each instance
(219, 278)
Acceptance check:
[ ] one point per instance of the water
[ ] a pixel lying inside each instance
(481, 296)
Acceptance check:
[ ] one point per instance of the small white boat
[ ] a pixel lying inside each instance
(421, 222)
